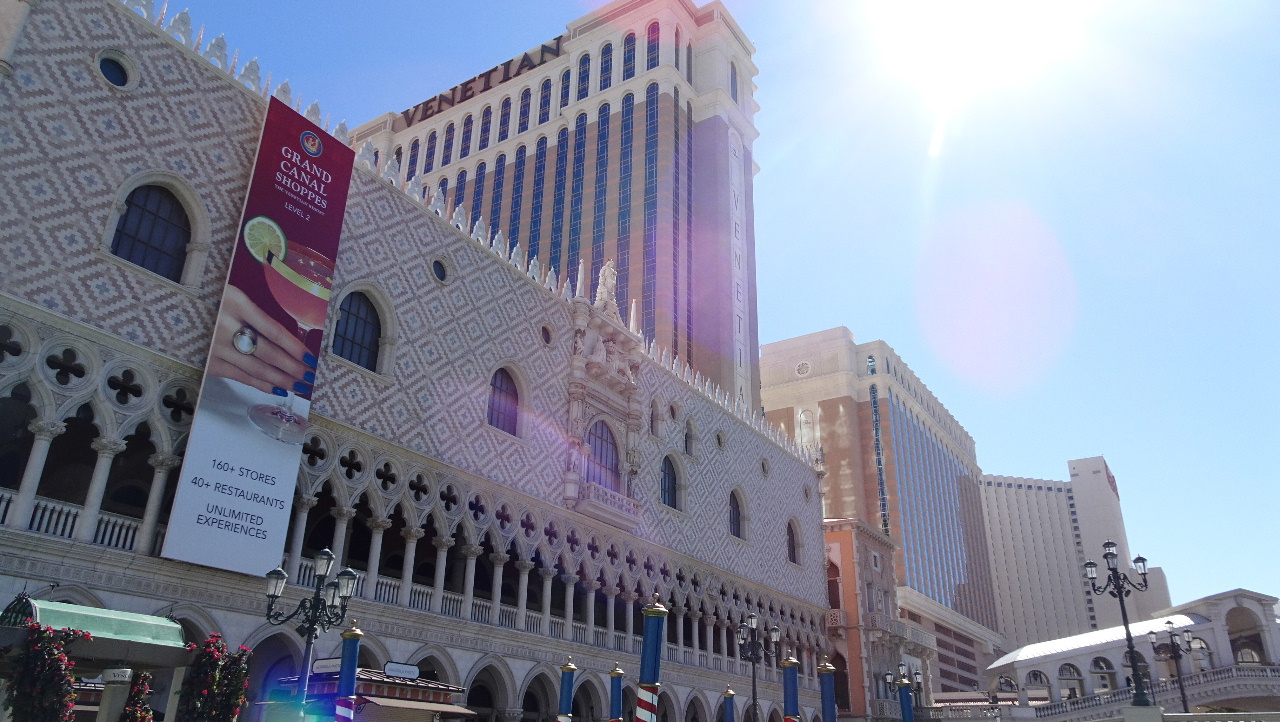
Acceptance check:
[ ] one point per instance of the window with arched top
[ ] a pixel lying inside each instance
(358, 332)
(486, 123)
(504, 119)
(413, 160)
(602, 463)
(584, 76)
(464, 148)
(735, 515)
(446, 155)
(153, 232)
(793, 554)
(652, 47)
(677, 47)
(564, 88)
(544, 102)
(689, 438)
(504, 402)
(733, 82)
(429, 163)
(606, 66)
(629, 56)
(526, 100)
(670, 484)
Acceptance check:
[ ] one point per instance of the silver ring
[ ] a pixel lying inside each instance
(245, 340)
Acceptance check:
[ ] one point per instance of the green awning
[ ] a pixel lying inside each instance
(123, 636)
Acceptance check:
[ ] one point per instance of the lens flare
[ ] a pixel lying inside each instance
(995, 296)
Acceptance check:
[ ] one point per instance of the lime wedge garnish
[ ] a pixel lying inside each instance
(262, 236)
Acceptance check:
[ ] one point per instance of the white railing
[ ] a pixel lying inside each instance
(885, 708)
(702, 659)
(1192, 683)
(600, 637)
(158, 544)
(420, 597)
(6, 501)
(386, 590)
(673, 653)
(967, 711)
(54, 517)
(533, 623)
(717, 663)
(1224, 717)
(637, 645)
(506, 616)
(620, 641)
(116, 531)
(480, 610)
(686, 656)
(451, 604)
(306, 573)
(556, 630)
(923, 638)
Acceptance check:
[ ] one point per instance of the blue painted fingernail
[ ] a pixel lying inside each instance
(301, 388)
(309, 377)
(279, 391)
(309, 360)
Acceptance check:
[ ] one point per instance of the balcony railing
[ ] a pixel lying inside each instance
(608, 506)
(885, 708)
(1192, 683)
(59, 518)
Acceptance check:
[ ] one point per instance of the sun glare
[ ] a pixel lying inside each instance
(953, 51)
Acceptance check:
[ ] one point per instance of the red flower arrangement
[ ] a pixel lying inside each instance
(43, 669)
(214, 689)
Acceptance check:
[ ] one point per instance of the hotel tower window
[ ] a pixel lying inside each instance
(651, 47)
(606, 66)
(601, 193)
(446, 154)
(477, 197)
(430, 163)
(486, 120)
(504, 402)
(584, 76)
(517, 195)
(626, 135)
(459, 193)
(564, 88)
(153, 232)
(535, 207)
(629, 57)
(413, 160)
(733, 82)
(464, 148)
(650, 277)
(526, 100)
(358, 332)
(504, 119)
(576, 192)
(557, 201)
(495, 210)
(544, 102)
(602, 461)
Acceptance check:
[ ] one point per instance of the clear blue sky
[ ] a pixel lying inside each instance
(1081, 260)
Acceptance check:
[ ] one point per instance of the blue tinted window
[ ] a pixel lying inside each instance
(460, 193)
(670, 484)
(688, 224)
(650, 277)
(601, 194)
(675, 223)
(602, 462)
(504, 119)
(625, 139)
(564, 88)
(606, 66)
(629, 57)
(517, 195)
(539, 183)
(486, 120)
(584, 76)
(504, 402)
(557, 202)
(651, 48)
(477, 196)
(430, 163)
(358, 332)
(464, 148)
(575, 193)
(544, 103)
(733, 82)
(413, 160)
(446, 154)
(153, 231)
(526, 98)
(495, 210)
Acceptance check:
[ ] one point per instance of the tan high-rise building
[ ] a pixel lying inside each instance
(628, 138)
(898, 461)
(1041, 532)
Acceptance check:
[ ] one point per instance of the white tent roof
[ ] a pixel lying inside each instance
(1098, 638)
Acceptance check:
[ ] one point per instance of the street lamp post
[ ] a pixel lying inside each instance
(906, 685)
(1177, 645)
(1118, 585)
(751, 647)
(325, 608)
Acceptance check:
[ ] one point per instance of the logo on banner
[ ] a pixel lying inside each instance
(311, 144)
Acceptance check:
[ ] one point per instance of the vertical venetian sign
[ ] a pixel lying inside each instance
(232, 507)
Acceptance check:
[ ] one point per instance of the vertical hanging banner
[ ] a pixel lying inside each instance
(232, 506)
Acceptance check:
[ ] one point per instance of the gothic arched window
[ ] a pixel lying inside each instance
(358, 332)
(153, 232)
(735, 515)
(504, 402)
(670, 484)
(602, 464)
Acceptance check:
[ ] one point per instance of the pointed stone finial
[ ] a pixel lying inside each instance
(581, 280)
(216, 53)
(390, 169)
(364, 159)
(635, 318)
(535, 271)
(251, 75)
(180, 28)
(438, 204)
(416, 188)
(341, 134)
(147, 8)
(479, 232)
(199, 40)
(566, 291)
(314, 115)
(235, 61)
(459, 219)
(284, 93)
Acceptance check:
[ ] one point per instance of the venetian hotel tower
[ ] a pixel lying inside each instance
(626, 138)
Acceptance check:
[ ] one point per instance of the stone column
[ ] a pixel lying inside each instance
(298, 538)
(471, 552)
(442, 544)
(25, 500)
(144, 543)
(694, 616)
(495, 595)
(630, 599)
(377, 526)
(591, 586)
(677, 618)
(708, 624)
(343, 516)
(522, 592)
(548, 574)
(411, 536)
(722, 633)
(611, 616)
(570, 587)
(87, 524)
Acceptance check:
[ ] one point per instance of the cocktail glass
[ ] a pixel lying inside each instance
(300, 282)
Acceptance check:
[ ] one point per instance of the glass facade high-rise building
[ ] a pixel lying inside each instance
(668, 193)
(897, 461)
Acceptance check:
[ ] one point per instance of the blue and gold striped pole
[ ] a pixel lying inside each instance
(729, 710)
(655, 616)
(615, 693)
(344, 706)
(827, 680)
(566, 691)
(791, 688)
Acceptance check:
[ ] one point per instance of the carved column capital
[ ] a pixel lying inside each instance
(499, 559)
(378, 523)
(569, 579)
(306, 503)
(164, 462)
(547, 572)
(412, 534)
(108, 447)
(525, 567)
(343, 513)
(472, 551)
(610, 591)
(442, 542)
(591, 585)
(46, 429)
(630, 597)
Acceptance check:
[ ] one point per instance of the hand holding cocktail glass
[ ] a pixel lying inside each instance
(251, 347)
